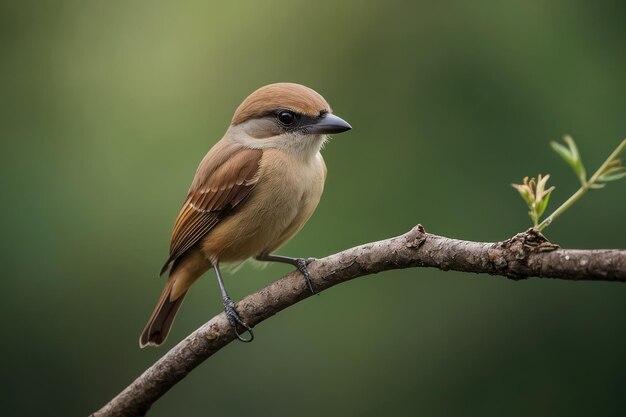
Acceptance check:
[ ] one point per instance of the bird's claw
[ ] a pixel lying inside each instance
(234, 320)
(302, 265)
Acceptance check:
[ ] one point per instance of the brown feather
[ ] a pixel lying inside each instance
(185, 271)
(272, 97)
(162, 318)
(211, 197)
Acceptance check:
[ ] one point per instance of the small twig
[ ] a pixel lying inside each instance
(527, 254)
(585, 186)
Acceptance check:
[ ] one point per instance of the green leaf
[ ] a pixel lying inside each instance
(563, 152)
(525, 192)
(613, 174)
(578, 166)
(572, 157)
(613, 163)
(579, 169)
(541, 206)
(572, 147)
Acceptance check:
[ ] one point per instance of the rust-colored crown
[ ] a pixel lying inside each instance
(288, 96)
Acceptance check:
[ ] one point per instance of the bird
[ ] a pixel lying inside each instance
(252, 192)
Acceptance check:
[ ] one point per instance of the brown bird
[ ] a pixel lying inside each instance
(252, 192)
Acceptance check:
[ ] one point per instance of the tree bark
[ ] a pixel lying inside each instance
(527, 254)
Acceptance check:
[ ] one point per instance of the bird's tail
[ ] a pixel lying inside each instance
(155, 332)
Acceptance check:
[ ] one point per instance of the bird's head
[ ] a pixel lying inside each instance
(287, 116)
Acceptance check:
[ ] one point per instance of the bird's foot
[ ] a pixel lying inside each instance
(302, 265)
(234, 320)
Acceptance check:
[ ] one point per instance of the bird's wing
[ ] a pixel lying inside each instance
(211, 198)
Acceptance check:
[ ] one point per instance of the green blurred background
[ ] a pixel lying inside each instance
(108, 106)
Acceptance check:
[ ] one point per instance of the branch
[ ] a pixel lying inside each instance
(527, 254)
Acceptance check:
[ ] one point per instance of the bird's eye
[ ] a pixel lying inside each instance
(286, 117)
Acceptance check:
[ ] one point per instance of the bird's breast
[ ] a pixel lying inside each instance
(284, 198)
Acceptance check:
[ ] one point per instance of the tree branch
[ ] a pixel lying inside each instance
(527, 254)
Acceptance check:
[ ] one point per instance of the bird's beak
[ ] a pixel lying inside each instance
(329, 124)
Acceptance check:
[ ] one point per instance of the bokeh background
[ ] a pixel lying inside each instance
(107, 108)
